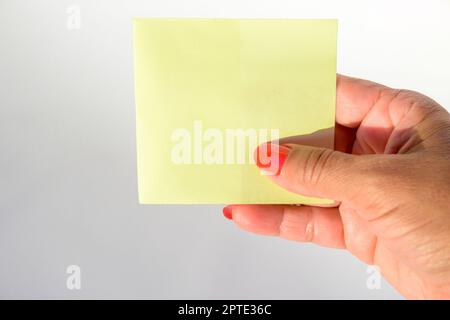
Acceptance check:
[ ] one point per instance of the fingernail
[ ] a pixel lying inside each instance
(228, 212)
(270, 158)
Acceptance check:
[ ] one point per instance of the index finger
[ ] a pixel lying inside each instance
(354, 99)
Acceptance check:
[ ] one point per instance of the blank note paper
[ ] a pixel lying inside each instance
(209, 90)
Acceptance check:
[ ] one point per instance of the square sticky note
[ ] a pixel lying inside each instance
(209, 90)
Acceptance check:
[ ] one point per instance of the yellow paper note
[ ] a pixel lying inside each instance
(209, 90)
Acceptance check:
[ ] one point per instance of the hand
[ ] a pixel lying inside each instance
(390, 180)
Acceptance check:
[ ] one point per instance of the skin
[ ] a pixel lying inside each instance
(390, 179)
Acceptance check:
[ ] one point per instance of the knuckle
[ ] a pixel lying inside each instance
(415, 100)
(310, 227)
(313, 168)
(385, 178)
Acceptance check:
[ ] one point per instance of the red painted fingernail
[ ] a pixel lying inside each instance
(270, 157)
(228, 212)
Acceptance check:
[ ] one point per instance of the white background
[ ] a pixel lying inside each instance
(67, 154)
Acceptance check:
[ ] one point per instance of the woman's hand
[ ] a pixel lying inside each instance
(390, 179)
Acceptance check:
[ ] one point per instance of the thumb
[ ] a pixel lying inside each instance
(312, 171)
